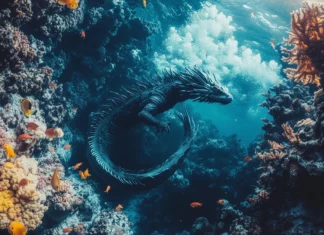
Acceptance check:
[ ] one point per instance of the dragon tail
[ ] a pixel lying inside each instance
(102, 165)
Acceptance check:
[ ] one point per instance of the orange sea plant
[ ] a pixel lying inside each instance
(307, 39)
(289, 133)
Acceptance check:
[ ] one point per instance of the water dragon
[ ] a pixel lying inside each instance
(140, 104)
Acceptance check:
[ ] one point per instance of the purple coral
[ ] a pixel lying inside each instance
(15, 48)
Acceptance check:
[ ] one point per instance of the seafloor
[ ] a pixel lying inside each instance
(278, 189)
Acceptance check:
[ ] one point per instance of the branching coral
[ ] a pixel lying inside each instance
(317, 95)
(289, 133)
(305, 122)
(307, 36)
(275, 146)
(275, 154)
(20, 203)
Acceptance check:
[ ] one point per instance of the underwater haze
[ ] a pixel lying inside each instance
(161, 117)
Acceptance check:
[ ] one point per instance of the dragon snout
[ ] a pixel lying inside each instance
(226, 99)
(222, 99)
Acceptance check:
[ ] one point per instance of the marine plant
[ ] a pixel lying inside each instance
(306, 37)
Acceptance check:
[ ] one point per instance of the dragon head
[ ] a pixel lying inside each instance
(203, 87)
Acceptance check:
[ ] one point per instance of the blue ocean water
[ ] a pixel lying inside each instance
(152, 117)
(223, 37)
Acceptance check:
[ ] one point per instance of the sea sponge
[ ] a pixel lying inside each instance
(21, 203)
(307, 36)
(6, 200)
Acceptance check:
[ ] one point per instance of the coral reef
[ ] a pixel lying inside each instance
(291, 159)
(15, 48)
(287, 195)
(111, 222)
(44, 59)
(214, 166)
(306, 36)
(35, 60)
(21, 203)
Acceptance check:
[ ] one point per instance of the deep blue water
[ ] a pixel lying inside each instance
(223, 38)
(236, 41)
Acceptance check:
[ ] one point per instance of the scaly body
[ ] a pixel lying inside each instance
(141, 104)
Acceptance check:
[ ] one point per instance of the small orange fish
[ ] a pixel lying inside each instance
(50, 132)
(64, 2)
(83, 34)
(51, 149)
(252, 14)
(67, 230)
(119, 207)
(32, 126)
(24, 182)
(75, 110)
(144, 3)
(86, 173)
(9, 151)
(273, 45)
(26, 107)
(247, 159)
(195, 204)
(52, 85)
(17, 228)
(220, 201)
(55, 182)
(76, 166)
(72, 6)
(67, 146)
(24, 137)
(82, 175)
(107, 189)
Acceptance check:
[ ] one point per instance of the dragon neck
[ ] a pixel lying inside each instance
(187, 91)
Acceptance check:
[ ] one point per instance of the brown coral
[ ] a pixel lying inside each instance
(307, 36)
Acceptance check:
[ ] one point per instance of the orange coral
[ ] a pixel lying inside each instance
(305, 122)
(317, 95)
(289, 133)
(275, 146)
(307, 36)
(272, 155)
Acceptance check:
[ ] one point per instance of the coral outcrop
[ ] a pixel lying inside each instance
(21, 203)
(290, 151)
(111, 222)
(307, 37)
